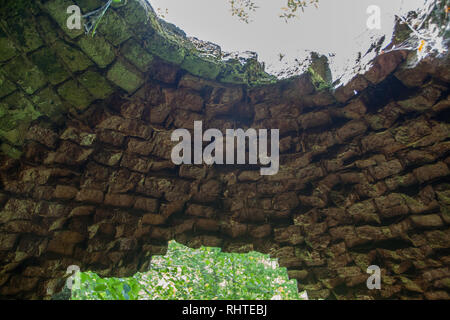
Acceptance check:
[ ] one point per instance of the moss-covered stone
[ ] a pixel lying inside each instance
(89, 5)
(97, 86)
(46, 60)
(10, 151)
(58, 10)
(201, 66)
(233, 72)
(165, 48)
(16, 113)
(18, 8)
(6, 86)
(402, 32)
(73, 58)
(23, 29)
(444, 196)
(113, 28)
(75, 94)
(137, 55)
(122, 76)
(48, 27)
(410, 285)
(98, 49)
(25, 74)
(7, 49)
(320, 72)
(256, 74)
(136, 17)
(49, 104)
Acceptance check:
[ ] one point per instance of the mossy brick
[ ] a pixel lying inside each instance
(18, 8)
(74, 59)
(6, 86)
(113, 28)
(15, 136)
(49, 103)
(89, 5)
(7, 48)
(25, 74)
(98, 49)
(17, 100)
(48, 28)
(233, 73)
(16, 114)
(137, 55)
(166, 48)
(75, 94)
(9, 119)
(122, 76)
(10, 151)
(46, 60)
(96, 84)
(23, 30)
(201, 66)
(118, 3)
(58, 10)
(136, 17)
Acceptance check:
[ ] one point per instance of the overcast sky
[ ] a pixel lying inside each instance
(337, 26)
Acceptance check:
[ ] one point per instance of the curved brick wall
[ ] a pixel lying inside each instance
(86, 176)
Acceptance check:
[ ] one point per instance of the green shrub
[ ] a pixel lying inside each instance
(205, 273)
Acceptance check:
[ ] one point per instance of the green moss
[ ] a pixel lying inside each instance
(6, 86)
(49, 104)
(22, 28)
(48, 63)
(402, 32)
(256, 74)
(113, 28)
(445, 282)
(75, 94)
(10, 151)
(17, 8)
(7, 48)
(16, 114)
(320, 72)
(25, 74)
(165, 47)
(96, 84)
(444, 196)
(58, 10)
(137, 17)
(72, 57)
(98, 49)
(317, 80)
(122, 76)
(234, 72)
(48, 28)
(201, 66)
(89, 5)
(19, 108)
(137, 55)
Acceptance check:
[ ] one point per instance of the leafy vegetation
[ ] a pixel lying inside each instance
(239, 8)
(243, 8)
(205, 273)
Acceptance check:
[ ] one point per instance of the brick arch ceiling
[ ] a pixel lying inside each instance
(86, 176)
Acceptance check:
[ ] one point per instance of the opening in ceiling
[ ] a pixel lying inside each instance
(183, 273)
(347, 32)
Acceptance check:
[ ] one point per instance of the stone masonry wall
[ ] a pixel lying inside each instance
(86, 175)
